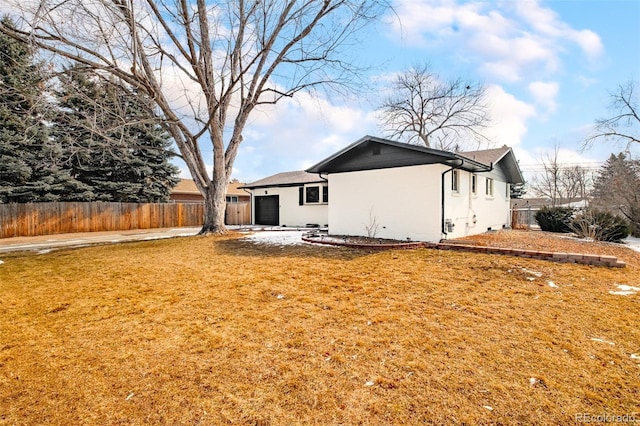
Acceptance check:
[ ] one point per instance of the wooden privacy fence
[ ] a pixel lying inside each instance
(238, 214)
(30, 219)
(524, 218)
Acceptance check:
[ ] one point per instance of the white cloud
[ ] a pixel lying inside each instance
(547, 22)
(545, 94)
(518, 39)
(508, 115)
(297, 133)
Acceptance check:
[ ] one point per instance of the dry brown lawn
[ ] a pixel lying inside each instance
(217, 330)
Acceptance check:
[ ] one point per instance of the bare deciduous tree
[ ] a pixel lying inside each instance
(206, 64)
(559, 183)
(424, 109)
(624, 125)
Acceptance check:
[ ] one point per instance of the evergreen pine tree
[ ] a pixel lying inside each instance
(617, 189)
(30, 161)
(518, 190)
(114, 143)
(20, 130)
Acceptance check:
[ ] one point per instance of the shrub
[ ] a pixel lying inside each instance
(601, 226)
(554, 219)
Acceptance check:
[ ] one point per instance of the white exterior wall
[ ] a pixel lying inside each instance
(476, 213)
(406, 202)
(403, 201)
(291, 213)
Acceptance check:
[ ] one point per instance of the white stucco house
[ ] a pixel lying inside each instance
(389, 189)
(292, 199)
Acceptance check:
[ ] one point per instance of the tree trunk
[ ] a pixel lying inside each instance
(214, 209)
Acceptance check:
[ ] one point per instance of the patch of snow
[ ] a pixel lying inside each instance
(552, 284)
(369, 383)
(488, 407)
(625, 290)
(633, 243)
(278, 238)
(635, 356)
(1, 262)
(280, 296)
(597, 339)
(45, 251)
(534, 273)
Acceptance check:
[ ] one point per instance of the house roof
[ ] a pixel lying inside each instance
(487, 156)
(185, 186)
(536, 203)
(188, 187)
(234, 188)
(503, 155)
(360, 155)
(295, 178)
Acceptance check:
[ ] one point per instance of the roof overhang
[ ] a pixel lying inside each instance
(357, 157)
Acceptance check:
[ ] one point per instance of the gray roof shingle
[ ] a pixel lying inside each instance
(295, 178)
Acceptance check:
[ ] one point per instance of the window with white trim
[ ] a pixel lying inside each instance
(489, 187)
(232, 199)
(314, 195)
(455, 181)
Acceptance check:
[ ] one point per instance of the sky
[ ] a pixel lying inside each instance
(548, 67)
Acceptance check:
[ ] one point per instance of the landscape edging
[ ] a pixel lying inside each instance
(584, 259)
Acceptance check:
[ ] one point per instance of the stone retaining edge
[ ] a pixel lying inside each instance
(584, 259)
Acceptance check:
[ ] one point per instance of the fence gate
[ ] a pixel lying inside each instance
(523, 218)
(238, 214)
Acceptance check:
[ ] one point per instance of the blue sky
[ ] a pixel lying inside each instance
(548, 67)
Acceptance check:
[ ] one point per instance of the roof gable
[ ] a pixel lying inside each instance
(502, 158)
(370, 153)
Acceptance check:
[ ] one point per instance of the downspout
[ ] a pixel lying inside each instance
(443, 229)
(326, 180)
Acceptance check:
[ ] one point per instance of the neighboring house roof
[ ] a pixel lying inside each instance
(188, 187)
(283, 179)
(537, 203)
(361, 155)
(185, 186)
(234, 188)
(529, 203)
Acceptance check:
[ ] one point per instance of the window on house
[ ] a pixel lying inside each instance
(474, 184)
(232, 199)
(455, 181)
(325, 194)
(507, 191)
(489, 188)
(313, 194)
